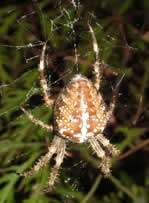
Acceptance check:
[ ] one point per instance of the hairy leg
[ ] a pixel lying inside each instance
(105, 161)
(59, 159)
(56, 143)
(105, 142)
(97, 71)
(36, 121)
(114, 98)
(43, 81)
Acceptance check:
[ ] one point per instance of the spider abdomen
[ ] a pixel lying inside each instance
(79, 111)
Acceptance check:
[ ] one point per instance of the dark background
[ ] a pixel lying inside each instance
(122, 32)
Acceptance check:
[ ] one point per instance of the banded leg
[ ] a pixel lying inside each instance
(105, 142)
(105, 161)
(59, 159)
(97, 71)
(36, 121)
(43, 81)
(44, 160)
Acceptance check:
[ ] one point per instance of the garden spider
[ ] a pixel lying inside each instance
(80, 115)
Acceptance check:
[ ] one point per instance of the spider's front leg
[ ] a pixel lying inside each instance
(59, 159)
(56, 143)
(105, 160)
(101, 146)
(107, 145)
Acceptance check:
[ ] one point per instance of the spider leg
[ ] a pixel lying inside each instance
(105, 161)
(96, 65)
(59, 159)
(44, 159)
(105, 142)
(36, 121)
(114, 98)
(43, 81)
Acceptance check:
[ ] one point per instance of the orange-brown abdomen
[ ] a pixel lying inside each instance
(79, 111)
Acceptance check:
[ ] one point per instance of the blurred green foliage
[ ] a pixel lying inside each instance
(122, 32)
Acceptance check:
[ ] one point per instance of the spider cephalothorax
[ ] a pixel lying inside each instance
(80, 115)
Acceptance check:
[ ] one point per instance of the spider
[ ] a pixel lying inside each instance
(80, 115)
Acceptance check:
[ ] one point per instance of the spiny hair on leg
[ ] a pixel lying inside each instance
(58, 161)
(55, 146)
(105, 142)
(105, 161)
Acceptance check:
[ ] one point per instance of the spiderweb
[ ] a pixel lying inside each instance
(25, 29)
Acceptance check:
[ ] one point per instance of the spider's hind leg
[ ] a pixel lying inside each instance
(96, 65)
(114, 97)
(43, 81)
